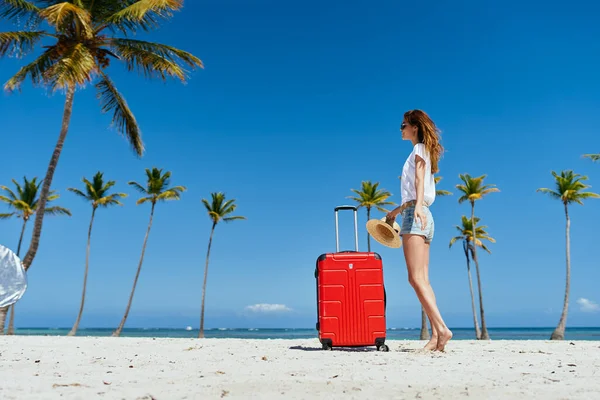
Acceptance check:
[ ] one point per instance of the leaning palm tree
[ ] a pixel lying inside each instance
(25, 204)
(218, 209)
(424, 331)
(473, 189)
(96, 192)
(156, 190)
(370, 196)
(80, 46)
(466, 235)
(569, 188)
(593, 157)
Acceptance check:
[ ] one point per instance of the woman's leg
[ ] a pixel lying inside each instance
(432, 344)
(415, 253)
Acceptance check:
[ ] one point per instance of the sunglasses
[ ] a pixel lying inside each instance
(402, 126)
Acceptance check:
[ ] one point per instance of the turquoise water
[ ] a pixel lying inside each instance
(245, 333)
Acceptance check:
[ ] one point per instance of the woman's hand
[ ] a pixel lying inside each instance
(391, 216)
(420, 215)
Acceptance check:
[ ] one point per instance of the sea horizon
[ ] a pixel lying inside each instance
(405, 333)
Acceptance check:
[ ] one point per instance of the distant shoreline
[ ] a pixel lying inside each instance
(572, 333)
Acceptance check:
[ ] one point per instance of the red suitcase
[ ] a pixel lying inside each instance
(351, 298)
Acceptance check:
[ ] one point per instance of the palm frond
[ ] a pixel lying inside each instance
(76, 66)
(6, 216)
(483, 246)
(18, 204)
(153, 59)
(144, 200)
(206, 205)
(52, 195)
(138, 187)
(36, 70)
(19, 43)
(78, 193)
(17, 9)
(171, 194)
(143, 14)
(379, 205)
(56, 210)
(123, 118)
(9, 191)
(593, 157)
(589, 195)
(64, 16)
(454, 239)
(111, 200)
(549, 192)
(229, 219)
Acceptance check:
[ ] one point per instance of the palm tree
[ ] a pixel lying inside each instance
(370, 196)
(466, 235)
(156, 190)
(593, 157)
(424, 331)
(96, 192)
(218, 210)
(569, 188)
(84, 41)
(25, 204)
(473, 189)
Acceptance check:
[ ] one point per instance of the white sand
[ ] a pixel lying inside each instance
(44, 367)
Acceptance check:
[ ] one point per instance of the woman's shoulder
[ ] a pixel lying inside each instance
(421, 150)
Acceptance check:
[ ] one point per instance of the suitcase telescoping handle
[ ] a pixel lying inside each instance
(337, 236)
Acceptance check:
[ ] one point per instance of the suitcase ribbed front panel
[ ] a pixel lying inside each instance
(351, 299)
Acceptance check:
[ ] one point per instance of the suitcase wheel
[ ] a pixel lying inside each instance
(326, 346)
(383, 347)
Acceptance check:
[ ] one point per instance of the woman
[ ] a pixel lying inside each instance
(417, 228)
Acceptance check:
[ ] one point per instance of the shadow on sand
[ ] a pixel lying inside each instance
(346, 349)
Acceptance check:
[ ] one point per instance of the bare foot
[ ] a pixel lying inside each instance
(443, 338)
(432, 344)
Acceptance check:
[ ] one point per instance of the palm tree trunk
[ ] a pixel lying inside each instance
(137, 274)
(559, 332)
(484, 332)
(475, 323)
(21, 237)
(39, 216)
(73, 330)
(201, 333)
(424, 331)
(368, 235)
(3, 312)
(11, 320)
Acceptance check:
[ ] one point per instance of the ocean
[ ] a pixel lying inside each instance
(304, 333)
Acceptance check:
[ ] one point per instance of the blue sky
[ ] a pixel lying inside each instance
(298, 103)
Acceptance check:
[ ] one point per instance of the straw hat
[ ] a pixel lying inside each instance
(384, 233)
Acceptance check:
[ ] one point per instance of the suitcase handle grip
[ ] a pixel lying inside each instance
(337, 239)
(340, 208)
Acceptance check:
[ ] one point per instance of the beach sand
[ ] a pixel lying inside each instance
(51, 367)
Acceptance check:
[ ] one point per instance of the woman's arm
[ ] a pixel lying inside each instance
(420, 166)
